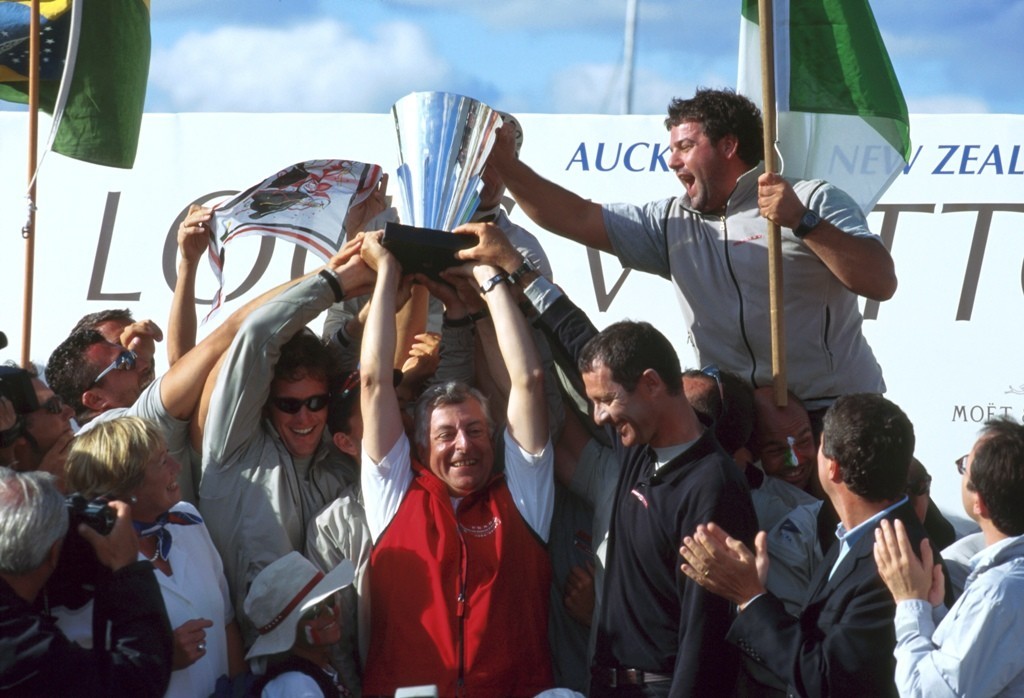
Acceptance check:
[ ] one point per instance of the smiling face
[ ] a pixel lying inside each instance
(702, 166)
(784, 439)
(159, 490)
(630, 415)
(300, 432)
(320, 625)
(459, 443)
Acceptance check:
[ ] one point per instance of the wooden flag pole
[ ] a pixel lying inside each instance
(29, 231)
(778, 321)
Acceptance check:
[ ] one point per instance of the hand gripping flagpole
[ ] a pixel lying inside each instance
(778, 320)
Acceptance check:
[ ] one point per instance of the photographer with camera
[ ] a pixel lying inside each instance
(131, 653)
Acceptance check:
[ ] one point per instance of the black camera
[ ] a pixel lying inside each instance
(97, 514)
(78, 571)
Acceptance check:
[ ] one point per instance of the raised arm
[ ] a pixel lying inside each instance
(193, 234)
(382, 418)
(527, 408)
(548, 204)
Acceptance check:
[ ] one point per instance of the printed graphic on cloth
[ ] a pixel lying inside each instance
(305, 204)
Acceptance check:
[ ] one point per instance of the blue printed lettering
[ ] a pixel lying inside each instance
(1013, 161)
(600, 153)
(993, 160)
(967, 157)
(951, 151)
(658, 160)
(627, 159)
(580, 157)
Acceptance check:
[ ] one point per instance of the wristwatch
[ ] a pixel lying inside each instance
(808, 222)
(522, 270)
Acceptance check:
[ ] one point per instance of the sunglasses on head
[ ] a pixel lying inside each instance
(712, 371)
(124, 362)
(292, 405)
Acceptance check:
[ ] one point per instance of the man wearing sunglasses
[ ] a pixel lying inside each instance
(268, 464)
(45, 433)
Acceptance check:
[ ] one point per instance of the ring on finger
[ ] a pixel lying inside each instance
(201, 646)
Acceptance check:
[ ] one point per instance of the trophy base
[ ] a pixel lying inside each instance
(425, 250)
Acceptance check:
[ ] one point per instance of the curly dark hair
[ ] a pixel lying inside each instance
(93, 320)
(722, 113)
(628, 349)
(872, 440)
(305, 356)
(997, 473)
(69, 373)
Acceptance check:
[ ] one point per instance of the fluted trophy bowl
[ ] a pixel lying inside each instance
(443, 143)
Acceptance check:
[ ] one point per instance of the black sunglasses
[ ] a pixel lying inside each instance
(54, 405)
(961, 463)
(330, 603)
(292, 405)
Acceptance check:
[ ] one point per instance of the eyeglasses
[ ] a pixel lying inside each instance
(54, 405)
(712, 371)
(124, 362)
(329, 604)
(292, 405)
(961, 463)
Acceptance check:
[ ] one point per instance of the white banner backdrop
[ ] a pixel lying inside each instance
(949, 341)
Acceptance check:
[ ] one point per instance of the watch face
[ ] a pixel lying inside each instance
(809, 220)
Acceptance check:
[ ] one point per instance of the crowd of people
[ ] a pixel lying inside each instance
(463, 488)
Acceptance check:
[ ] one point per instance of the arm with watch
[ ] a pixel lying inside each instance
(861, 264)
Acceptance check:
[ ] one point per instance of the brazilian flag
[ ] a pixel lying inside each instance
(102, 114)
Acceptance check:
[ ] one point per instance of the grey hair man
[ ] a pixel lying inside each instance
(35, 657)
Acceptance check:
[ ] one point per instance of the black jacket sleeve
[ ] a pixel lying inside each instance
(132, 656)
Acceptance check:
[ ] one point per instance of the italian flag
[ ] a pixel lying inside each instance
(841, 115)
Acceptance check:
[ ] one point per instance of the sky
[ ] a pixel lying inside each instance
(535, 56)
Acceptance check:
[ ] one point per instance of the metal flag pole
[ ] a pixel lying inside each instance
(629, 52)
(778, 321)
(28, 232)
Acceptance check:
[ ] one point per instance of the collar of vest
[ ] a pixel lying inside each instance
(433, 484)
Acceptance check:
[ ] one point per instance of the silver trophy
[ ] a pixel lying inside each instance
(443, 143)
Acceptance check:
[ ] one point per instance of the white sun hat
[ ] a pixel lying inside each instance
(282, 592)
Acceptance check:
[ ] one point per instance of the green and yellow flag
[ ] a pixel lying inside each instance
(94, 64)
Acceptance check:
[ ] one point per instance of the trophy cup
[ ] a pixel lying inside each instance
(443, 143)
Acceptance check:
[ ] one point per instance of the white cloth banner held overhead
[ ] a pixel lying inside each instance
(305, 204)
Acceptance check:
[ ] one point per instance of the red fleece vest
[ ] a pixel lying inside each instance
(461, 596)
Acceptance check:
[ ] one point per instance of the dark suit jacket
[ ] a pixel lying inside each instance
(842, 643)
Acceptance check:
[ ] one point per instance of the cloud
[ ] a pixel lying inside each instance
(598, 89)
(324, 66)
(947, 104)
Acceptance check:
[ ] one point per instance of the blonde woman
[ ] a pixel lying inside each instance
(126, 459)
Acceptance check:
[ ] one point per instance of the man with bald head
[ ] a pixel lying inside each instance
(784, 442)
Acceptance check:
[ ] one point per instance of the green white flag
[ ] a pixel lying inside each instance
(840, 110)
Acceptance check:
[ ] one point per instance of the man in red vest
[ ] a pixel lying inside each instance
(459, 577)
